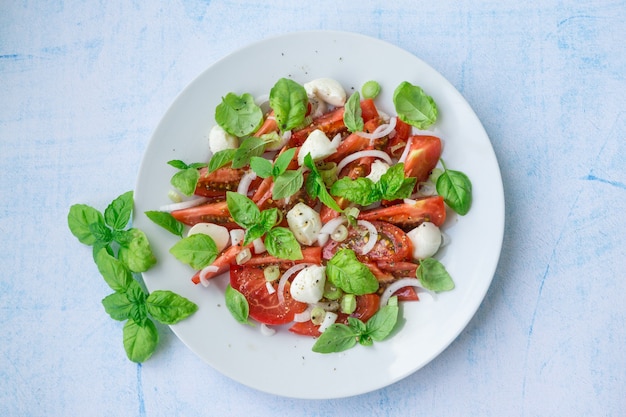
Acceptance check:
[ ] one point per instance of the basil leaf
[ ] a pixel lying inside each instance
(101, 232)
(117, 214)
(282, 162)
(352, 113)
(382, 323)
(198, 165)
(413, 106)
(178, 164)
(186, 180)
(361, 190)
(117, 306)
(238, 115)
(405, 190)
(221, 158)
(197, 250)
(434, 276)
(251, 146)
(336, 338)
(135, 250)
(287, 184)
(79, 218)
(237, 304)
(168, 307)
(315, 186)
(281, 243)
(140, 340)
(166, 221)
(289, 101)
(391, 181)
(243, 210)
(137, 297)
(261, 166)
(253, 233)
(346, 272)
(115, 273)
(269, 218)
(456, 189)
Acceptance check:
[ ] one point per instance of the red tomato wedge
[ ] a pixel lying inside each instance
(423, 157)
(410, 215)
(264, 307)
(393, 244)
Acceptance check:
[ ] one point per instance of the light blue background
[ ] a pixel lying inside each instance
(84, 84)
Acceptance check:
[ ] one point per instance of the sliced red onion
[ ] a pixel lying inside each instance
(259, 246)
(329, 319)
(409, 201)
(270, 287)
(333, 224)
(267, 330)
(322, 239)
(302, 317)
(381, 131)
(237, 236)
(401, 283)
(245, 182)
(205, 271)
(373, 236)
(283, 280)
(405, 152)
(184, 204)
(363, 154)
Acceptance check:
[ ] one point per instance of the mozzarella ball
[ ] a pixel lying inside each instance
(327, 90)
(308, 285)
(426, 240)
(219, 234)
(220, 140)
(318, 145)
(305, 223)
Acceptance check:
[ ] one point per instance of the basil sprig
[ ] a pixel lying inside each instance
(237, 305)
(339, 337)
(434, 276)
(315, 186)
(279, 241)
(118, 252)
(186, 179)
(352, 115)
(286, 182)
(391, 186)
(347, 273)
(414, 106)
(456, 189)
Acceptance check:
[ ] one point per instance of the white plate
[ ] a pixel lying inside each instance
(284, 363)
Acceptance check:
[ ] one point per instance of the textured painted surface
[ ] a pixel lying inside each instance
(83, 85)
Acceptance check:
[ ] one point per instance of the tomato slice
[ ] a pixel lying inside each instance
(423, 157)
(393, 244)
(409, 215)
(366, 306)
(310, 254)
(264, 307)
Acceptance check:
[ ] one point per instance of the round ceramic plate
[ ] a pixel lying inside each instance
(284, 364)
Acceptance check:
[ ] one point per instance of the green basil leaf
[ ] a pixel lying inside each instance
(281, 243)
(361, 190)
(186, 180)
(178, 164)
(261, 166)
(269, 218)
(287, 184)
(405, 190)
(289, 101)
(434, 276)
(137, 297)
(336, 338)
(98, 246)
(115, 273)
(168, 307)
(357, 325)
(166, 221)
(117, 214)
(253, 233)
(346, 272)
(251, 146)
(135, 250)
(102, 233)
(197, 250)
(198, 165)
(79, 218)
(413, 106)
(243, 210)
(221, 158)
(315, 186)
(238, 115)
(117, 306)
(140, 340)
(352, 113)
(391, 181)
(382, 323)
(282, 162)
(456, 189)
(237, 305)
